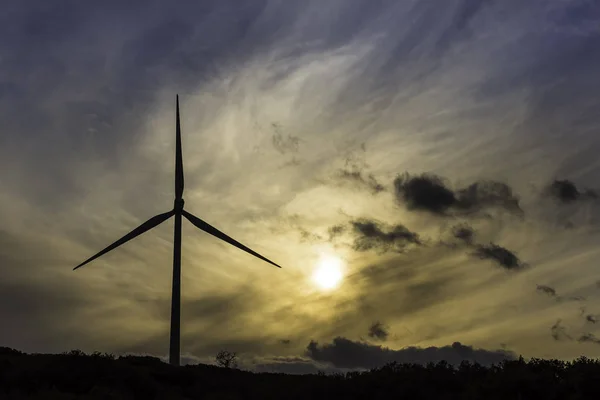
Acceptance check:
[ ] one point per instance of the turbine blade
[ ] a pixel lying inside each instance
(178, 157)
(217, 233)
(151, 223)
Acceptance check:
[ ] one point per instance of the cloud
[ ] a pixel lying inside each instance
(306, 236)
(588, 338)
(369, 182)
(429, 192)
(295, 224)
(345, 353)
(559, 332)
(567, 205)
(335, 231)
(370, 234)
(464, 232)
(487, 194)
(550, 291)
(378, 331)
(566, 192)
(284, 143)
(354, 172)
(546, 289)
(425, 192)
(500, 255)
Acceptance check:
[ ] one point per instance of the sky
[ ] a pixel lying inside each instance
(444, 154)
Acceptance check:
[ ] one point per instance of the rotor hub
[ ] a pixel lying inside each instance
(178, 205)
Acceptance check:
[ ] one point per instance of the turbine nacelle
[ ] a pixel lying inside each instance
(178, 206)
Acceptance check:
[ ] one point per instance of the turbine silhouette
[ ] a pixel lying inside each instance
(177, 211)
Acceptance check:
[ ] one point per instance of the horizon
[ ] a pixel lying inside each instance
(426, 175)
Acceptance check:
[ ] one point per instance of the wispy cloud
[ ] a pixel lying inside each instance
(559, 332)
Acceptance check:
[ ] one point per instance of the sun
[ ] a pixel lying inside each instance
(328, 273)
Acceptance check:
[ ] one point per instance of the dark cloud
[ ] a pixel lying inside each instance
(345, 353)
(546, 289)
(588, 338)
(486, 194)
(559, 332)
(378, 331)
(429, 192)
(501, 256)
(370, 234)
(566, 192)
(464, 233)
(425, 192)
(574, 207)
(335, 231)
(369, 182)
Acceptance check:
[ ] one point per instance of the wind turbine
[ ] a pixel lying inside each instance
(177, 211)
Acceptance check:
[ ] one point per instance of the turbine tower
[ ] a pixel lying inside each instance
(177, 211)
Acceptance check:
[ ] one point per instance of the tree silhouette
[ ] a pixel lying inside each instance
(226, 359)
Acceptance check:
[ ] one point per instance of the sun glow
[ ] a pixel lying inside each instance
(328, 274)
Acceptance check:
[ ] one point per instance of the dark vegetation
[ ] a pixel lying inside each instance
(75, 375)
(226, 359)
